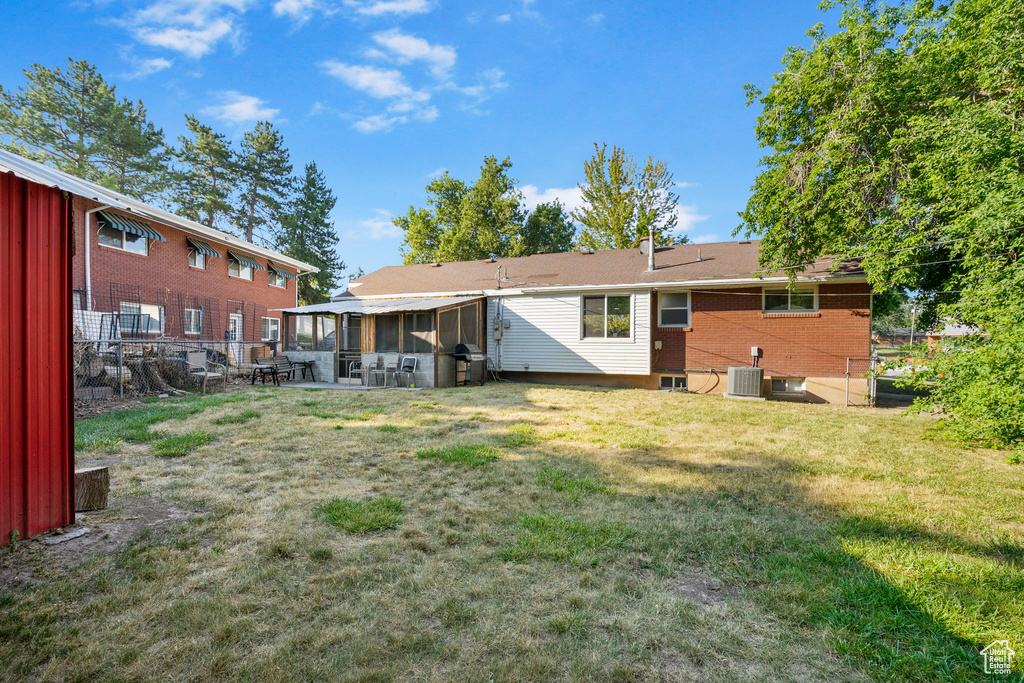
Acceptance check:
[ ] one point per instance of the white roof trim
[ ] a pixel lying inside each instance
(36, 172)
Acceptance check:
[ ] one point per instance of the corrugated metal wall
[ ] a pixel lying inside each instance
(36, 409)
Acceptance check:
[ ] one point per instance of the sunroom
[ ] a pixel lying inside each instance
(365, 341)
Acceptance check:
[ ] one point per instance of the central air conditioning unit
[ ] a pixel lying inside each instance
(746, 383)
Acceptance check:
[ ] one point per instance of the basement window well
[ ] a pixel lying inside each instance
(793, 386)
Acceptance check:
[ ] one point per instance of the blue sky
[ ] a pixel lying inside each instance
(383, 94)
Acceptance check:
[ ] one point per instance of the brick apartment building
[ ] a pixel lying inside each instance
(156, 274)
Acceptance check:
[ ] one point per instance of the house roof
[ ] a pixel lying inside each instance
(354, 305)
(728, 263)
(51, 177)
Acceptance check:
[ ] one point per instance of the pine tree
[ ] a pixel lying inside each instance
(136, 161)
(264, 177)
(307, 234)
(208, 177)
(62, 117)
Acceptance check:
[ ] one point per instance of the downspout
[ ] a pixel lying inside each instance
(88, 259)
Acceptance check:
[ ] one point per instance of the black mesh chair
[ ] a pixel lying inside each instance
(408, 368)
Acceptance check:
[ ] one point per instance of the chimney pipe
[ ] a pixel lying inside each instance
(650, 248)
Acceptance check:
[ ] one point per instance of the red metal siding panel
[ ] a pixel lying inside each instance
(36, 415)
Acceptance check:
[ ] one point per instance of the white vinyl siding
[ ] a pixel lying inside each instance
(544, 331)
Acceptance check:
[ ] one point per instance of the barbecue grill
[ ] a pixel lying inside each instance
(470, 364)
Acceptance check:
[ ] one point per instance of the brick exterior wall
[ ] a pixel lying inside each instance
(164, 278)
(724, 324)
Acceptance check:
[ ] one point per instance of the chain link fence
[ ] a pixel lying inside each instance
(115, 368)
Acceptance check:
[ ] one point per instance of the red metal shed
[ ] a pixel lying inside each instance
(36, 391)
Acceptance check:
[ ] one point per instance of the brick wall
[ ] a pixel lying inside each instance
(726, 323)
(164, 277)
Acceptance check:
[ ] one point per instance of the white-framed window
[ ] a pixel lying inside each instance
(788, 385)
(193, 321)
(673, 383)
(673, 309)
(196, 258)
(271, 329)
(125, 241)
(276, 279)
(238, 269)
(607, 316)
(141, 318)
(784, 300)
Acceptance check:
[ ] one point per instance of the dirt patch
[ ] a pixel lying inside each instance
(697, 585)
(39, 558)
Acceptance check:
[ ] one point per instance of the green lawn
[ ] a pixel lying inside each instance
(524, 533)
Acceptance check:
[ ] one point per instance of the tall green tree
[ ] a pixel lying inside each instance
(207, 176)
(548, 229)
(264, 181)
(898, 139)
(136, 161)
(624, 202)
(71, 118)
(466, 222)
(307, 233)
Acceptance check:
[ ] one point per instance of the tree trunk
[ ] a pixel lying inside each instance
(91, 489)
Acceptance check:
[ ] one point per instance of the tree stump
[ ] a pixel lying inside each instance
(91, 488)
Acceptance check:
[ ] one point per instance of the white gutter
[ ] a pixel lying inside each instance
(88, 253)
(684, 284)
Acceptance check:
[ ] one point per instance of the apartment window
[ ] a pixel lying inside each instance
(276, 279)
(141, 318)
(673, 309)
(788, 385)
(193, 321)
(786, 300)
(125, 241)
(238, 269)
(606, 317)
(196, 258)
(270, 329)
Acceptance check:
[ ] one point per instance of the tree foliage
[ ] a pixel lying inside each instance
(208, 174)
(264, 180)
(307, 234)
(466, 222)
(623, 201)
(72, 119)
(899, 138)
(548, 229)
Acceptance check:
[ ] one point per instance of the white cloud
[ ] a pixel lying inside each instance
(379, 83)
(596, 18)
(705, 239)
(437, 172)
(381, 226)
(528, 10)
(683, 186)
(378, 122)
(298, 10)
(503, 18)
(148, 67)
(239, 108)
(687, 217)
(191, 27)
(398, 7)
(571, 197)
(405, 48)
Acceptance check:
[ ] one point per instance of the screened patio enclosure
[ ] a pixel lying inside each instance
(350, 334)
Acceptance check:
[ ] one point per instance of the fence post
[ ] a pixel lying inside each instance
(120, 370)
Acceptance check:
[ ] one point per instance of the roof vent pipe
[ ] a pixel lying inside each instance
(647, 247)
(698, 255)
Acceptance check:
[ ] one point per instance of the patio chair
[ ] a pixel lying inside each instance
(408, 368)
(366, 367)
(388, 364)
(199, 369)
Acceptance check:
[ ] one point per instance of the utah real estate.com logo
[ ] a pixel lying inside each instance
(998, 656)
